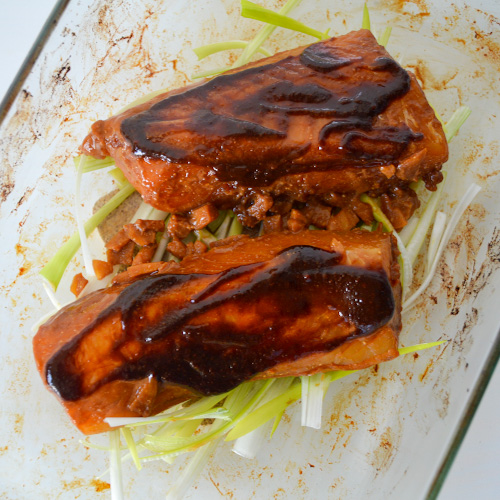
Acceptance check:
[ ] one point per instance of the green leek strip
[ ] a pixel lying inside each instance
(281, 386)
(277, 421)
(236, 227)
(129, 439)
(366, 18)
(384, 37)
(252, 47)
(425, 221)
(278, 405)
(205, 236)
(415, 244)
(264, 33)
(118, 176)
(377, 213)
(266, 412)
(456, 121)
(175, 446)
(54, 270)
(213, 48)
(253, 11)
(438, 229)
(92, 164)
(209, 72)
(404, 258)
(248, 445)
(86, 252)
(223, 229)
(239, 401)
(214, 225)
(420, 347)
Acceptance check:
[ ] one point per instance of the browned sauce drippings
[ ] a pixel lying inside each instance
(213, 357)
(214, 129)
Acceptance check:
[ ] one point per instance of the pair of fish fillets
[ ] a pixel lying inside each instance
(321, 124)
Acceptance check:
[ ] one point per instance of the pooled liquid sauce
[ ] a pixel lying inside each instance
(215, 131)
(299, 283)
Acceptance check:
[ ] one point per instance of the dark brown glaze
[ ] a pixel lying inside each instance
(296, 303)
(319, 123)
(265, 116)
(212, 358)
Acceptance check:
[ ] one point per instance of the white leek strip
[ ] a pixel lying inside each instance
(458, 212)
(51, 294)
(142, 212)
(156, 214)
(262, 36)
(456, 121)
(115, 465)
(162, 246)
(248, 446)
(384, 37)
(407, 232)
(42, 320)
(305, 398)
(213, 48)
(418, 237)
(312, 401)
(95, 284)
(436, 235)
(87, 255)
(192, 471)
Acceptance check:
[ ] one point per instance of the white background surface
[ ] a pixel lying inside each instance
(476, 471)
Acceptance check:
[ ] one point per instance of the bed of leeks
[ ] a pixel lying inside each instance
(250, 413)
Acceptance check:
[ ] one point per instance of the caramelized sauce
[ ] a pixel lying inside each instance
(200, 345)
(214, 120)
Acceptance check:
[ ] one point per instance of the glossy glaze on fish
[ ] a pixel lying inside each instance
(278, 305)
(340, 116)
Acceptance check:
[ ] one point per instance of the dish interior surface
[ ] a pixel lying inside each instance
(386, 430)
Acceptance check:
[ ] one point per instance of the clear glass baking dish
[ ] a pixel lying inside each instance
(389, 432)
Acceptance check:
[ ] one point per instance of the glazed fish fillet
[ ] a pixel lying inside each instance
(325, 122)
(278, 305)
